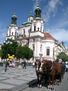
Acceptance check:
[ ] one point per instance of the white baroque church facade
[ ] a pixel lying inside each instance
(43, 44)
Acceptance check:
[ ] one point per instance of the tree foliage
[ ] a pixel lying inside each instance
(13, 48)
(9, 47)
(24, 52)
(0, 52)
(62, 56)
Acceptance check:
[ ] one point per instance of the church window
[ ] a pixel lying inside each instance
(12, 33)
(41, 28)
(40, 47)
(9, 32)
(38, 28)
(31, 20)
(30, 29)
(33, 47)
(53, 51)
(48, 51)
(34, 28)
(15, 33)
(24, 32)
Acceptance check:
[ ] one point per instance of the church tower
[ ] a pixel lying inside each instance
(38, 23)
(38, 10)
(13, 28)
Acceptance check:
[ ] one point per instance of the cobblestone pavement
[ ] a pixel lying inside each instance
(62, 87)
(15, 78)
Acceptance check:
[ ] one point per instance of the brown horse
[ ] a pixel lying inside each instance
(38, 72)
(52, 70)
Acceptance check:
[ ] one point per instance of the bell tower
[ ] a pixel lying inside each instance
(38, 10)
(13, 28)
(14, 19)
(38, 23)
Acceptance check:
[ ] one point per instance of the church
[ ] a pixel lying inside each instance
(32, 34)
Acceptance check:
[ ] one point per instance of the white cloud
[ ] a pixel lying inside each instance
(35, 3)
(60, 34)
(62, 23)
(51, 8)
(65, 11)
(3, 32)
(52, 4)
(2, 35)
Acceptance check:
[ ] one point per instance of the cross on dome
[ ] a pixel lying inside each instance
(37, 3)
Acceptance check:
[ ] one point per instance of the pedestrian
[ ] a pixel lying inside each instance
(6, 64)
(3, 63)
(24, 64)
(33, 64)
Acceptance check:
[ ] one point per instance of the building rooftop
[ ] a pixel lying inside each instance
(48, 35)
(27, 23)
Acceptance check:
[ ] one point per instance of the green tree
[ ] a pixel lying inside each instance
(62, 56)
(24, 52)
(0, 52)
(19, 52)
(9, 47)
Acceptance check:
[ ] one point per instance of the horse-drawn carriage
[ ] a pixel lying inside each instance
(49, 71)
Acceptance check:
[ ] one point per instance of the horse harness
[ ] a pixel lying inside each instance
(51, 68)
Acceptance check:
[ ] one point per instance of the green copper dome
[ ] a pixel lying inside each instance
(27, 24)
(14, 19)
(37, 10)
(38, 18)
(14, 16)
(13, 25)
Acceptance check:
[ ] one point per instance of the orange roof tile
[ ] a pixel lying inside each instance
(48, 35)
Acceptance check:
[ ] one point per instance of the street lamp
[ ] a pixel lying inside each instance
(41, 56)
(7, 43)
(29, 35)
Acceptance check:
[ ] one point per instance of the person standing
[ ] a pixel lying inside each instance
(33, 64)
(24, 64)
(6, 64)
(3, 63)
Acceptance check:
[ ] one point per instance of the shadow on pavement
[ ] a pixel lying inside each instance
(34, 83)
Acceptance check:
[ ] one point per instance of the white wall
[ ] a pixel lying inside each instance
(12, 32)
(36, 34)
(30, 19)
(12, 29)
(39, 24)
(26, 30)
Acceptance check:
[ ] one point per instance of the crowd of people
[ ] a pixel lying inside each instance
(23, 64)
(12, 63)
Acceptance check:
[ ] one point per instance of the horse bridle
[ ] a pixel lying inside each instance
(38, 65)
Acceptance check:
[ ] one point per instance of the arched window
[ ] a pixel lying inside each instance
(33, 47)
(12, 33)
(15, 33)
(48, 52)
(41, 48)
(30, 30)
(24, 32)
(38, 28)
(34, 28)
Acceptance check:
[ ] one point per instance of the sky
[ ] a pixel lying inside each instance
(54, 13)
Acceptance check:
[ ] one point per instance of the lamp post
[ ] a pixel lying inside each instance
(7, 43)
(41, 56)
(29, 37)
(33, 50)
